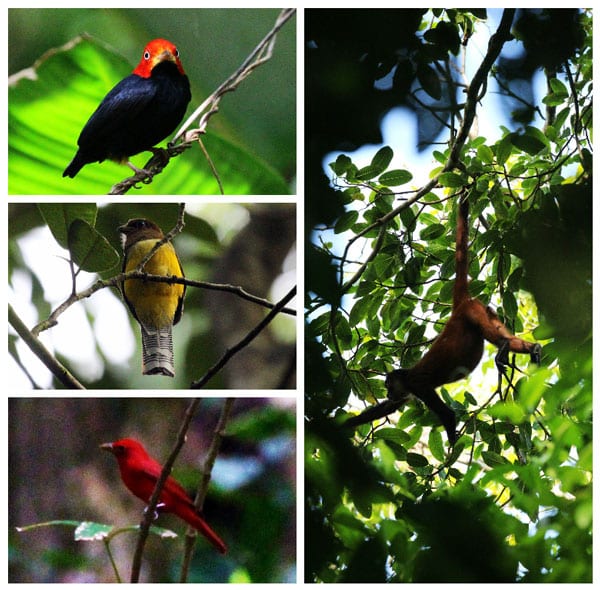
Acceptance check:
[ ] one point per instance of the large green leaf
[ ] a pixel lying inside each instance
(89, 249)
(60, 216)
(49, 104)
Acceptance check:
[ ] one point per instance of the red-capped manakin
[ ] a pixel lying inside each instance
(140, 472)
(156, 306)
(138, 112)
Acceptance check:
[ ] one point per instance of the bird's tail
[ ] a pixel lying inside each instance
(189, 514)
(74, 167)
(157, 351)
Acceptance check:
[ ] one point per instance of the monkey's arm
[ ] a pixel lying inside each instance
(494, 331)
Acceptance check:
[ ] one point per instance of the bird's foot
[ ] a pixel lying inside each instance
(140, 172)
(159, 506)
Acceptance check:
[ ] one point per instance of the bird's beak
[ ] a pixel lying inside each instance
(107, 447)
(166, 55)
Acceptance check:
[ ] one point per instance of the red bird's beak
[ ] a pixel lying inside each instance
(107, 447)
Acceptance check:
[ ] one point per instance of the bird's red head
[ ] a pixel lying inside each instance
(125, 448)
(157, 51)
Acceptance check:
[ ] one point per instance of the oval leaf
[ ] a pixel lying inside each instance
(451, 180)
(528, 144)
(60, 216)
(395, 177)
(416, 460)
(382, 158)
(367, 173)
(346, 221)
(89, 249)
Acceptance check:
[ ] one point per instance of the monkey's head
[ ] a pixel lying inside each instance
(396, 383)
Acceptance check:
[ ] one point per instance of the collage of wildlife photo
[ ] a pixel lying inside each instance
(327, 276)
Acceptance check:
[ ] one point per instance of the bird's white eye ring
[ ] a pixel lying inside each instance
(146, 55)
(176, 52)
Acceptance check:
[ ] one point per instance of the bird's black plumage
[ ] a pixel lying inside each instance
(134, 116)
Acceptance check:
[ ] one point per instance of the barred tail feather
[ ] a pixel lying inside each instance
(157, 351)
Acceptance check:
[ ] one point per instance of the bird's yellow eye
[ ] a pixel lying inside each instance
(146, 55)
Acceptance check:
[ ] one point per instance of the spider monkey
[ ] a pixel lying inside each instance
(456, 351)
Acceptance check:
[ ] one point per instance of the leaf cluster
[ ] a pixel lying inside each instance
(390, 256)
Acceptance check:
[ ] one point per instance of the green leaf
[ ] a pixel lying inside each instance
(367, 172)
(429, 80)
(341, 164)
(432, 232)
(452, 180)
(503, 149)
(50, 103)
(558, 87)
(392, 434)
(528, 143)
(60, 216)
(436, 444)
(90, 250)
(346, 221)
(509, 303)
(493, 459)
(395, 177)
(92, 531)
(485, 154)
(558, 95)
(416, 460)
(382, 158)
(359, 310)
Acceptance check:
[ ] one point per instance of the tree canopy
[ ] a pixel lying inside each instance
(512, 500)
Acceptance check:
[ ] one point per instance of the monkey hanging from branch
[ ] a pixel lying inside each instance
(456, 352)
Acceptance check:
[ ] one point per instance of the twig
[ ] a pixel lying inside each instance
(261, 54)
(31, 339)
(244, 341)
(151, 508)
(115, 281)
(213, 451)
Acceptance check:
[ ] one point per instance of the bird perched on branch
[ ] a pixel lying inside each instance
(140, 472)
(157, 306)
(140, 111)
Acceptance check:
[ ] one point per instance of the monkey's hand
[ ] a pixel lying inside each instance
(536, 354)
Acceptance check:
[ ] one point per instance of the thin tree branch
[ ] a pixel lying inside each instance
(151, 508)
(245, 340)
(211, 457)
(115, 281)
(36, 346)
(261, 54)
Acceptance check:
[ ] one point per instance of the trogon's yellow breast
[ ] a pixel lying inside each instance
(154, 304)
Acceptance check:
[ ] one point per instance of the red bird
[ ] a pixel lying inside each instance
(138, 112)
(140, 472)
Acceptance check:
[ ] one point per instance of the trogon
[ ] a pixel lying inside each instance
(155, 305)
